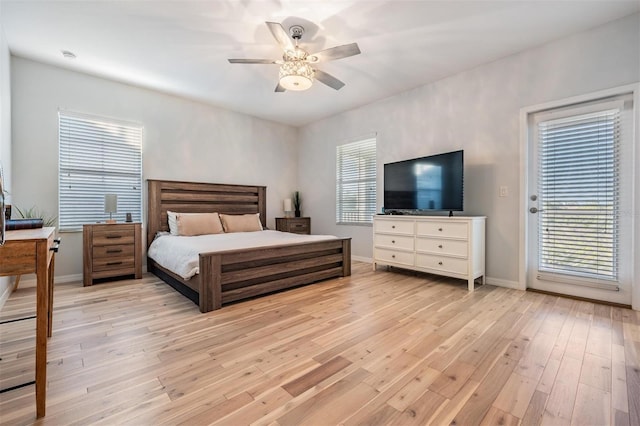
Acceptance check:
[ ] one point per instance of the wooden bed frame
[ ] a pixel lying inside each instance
(239, 274)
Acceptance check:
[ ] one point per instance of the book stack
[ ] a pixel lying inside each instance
(14, 224)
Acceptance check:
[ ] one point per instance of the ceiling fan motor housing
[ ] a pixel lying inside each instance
(296, 32)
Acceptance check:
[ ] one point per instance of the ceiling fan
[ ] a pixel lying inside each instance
(296, 72)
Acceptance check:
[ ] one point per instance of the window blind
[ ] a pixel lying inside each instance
(356, 182)
(98, 156)
(579, 186)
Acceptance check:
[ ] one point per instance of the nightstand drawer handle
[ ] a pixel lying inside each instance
(114, 251)
(440, 246)
(440, 229)
(113, 236)
(113, 263)
(440, 263)
(393, 241)
(393, 227)
(393, 256)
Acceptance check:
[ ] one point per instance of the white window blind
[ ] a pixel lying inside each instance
(356, 182)
(98, 156)
(579, 187)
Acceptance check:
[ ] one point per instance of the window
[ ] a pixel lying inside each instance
(98, 156)
(579, 183)
(356, 182)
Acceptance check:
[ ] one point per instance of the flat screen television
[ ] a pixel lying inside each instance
(433, 183)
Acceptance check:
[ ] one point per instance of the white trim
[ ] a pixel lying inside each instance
(499, 282)
(524, 144)
(58, 279)
(7, 292)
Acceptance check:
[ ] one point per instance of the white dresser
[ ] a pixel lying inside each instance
(451, 246)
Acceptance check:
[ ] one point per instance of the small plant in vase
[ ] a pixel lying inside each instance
(297, 203)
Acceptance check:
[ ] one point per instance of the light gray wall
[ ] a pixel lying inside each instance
(183, 140)
(478, 111)
(5, 134)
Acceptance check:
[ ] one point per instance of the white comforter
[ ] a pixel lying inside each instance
(180, 254)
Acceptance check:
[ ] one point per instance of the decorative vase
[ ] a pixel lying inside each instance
(297, 213)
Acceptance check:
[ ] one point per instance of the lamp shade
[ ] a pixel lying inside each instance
(287, 205)
(111, 203)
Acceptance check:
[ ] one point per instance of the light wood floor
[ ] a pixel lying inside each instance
(374, 348)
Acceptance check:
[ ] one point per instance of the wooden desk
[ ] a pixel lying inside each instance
(29, 251)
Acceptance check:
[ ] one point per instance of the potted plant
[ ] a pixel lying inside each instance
(297, 203)
(34, 213)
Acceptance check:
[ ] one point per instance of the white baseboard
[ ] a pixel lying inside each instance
(7, 291)
(504, 283)
(30, 279)
(362, 259)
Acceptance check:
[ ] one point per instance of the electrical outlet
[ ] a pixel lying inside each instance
(504, 191)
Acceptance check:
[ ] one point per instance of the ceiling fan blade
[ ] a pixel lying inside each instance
(337, 52)
(252, 61)
(279, 88)
(328, 79)
(281, 35)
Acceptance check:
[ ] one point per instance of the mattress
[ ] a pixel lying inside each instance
(180, 254)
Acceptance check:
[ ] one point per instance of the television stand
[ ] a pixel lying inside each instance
(453, 247)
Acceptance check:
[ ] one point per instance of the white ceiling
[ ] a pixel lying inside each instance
(181, 47)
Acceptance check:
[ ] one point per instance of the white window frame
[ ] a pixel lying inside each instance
(97, 156)
(361, 173)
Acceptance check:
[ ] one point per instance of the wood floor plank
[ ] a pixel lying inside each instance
(373, 348)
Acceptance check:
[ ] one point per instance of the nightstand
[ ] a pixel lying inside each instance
(297, 225)
(111, 250)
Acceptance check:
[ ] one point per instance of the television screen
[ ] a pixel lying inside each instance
(428, 183)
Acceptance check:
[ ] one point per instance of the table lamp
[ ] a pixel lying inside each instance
(111, 206)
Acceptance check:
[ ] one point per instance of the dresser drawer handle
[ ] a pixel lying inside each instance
(114, 251)
(440, 263)
(393, 256)
(113, 236)
(440, 229)
(113, 263)
(393, 241)
(393, 227)
(439, 245)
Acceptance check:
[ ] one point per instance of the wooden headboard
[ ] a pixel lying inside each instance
(196, 197)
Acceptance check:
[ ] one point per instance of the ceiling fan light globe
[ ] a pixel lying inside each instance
(296, 75)
(296, 82)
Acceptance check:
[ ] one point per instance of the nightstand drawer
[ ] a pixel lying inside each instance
(110, 237)
(296, 225)
(109, 251)
(114, 263)
(299, 227)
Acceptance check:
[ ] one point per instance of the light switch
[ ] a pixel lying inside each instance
(504, 191)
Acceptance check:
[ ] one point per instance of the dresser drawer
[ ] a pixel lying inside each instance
(442, 263)
(119, 250)
(394, 226)
(442, 246)
(394, 256)
(394, 241)
(442, 229)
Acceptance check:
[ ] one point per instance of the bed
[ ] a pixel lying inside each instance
(233, 275)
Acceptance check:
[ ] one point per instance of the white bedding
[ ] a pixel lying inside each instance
(180, 254)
